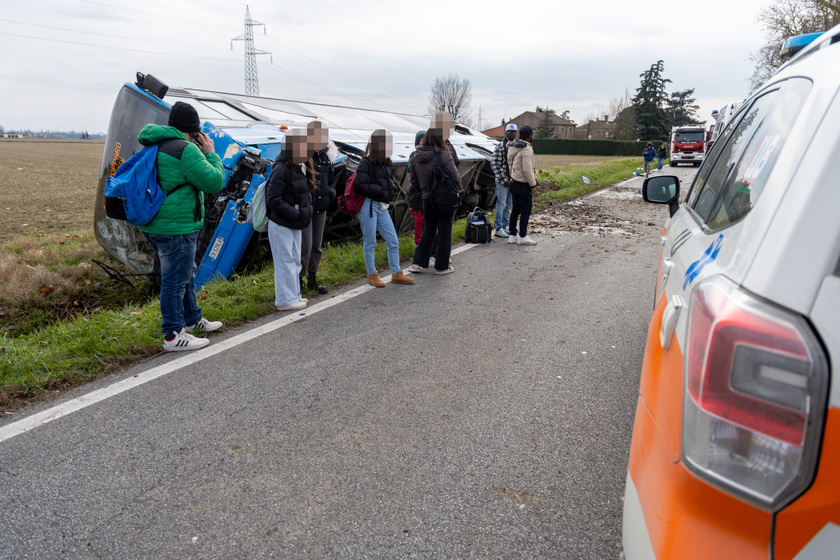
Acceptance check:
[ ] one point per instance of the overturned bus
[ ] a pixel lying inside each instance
(248, 133)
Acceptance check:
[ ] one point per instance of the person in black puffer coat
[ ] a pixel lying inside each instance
(434, 224)
(289, 210)
(375, 181)
(321, 169)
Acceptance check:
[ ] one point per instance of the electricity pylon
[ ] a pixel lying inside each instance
(252, 80)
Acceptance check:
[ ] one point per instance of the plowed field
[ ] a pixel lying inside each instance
(47, 186)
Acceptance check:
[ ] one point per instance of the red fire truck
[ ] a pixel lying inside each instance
(688, 144)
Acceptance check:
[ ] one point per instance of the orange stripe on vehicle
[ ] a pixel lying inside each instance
(797, 524)
(686, 517)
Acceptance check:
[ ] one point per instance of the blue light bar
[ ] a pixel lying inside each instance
(796, 44)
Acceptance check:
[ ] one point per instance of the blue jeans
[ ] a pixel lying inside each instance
(178, 305)
(435, 228)
(372, 217)
(504, 202)
(285, 251)
(659, 161)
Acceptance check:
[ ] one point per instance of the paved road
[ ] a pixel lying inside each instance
(484, 414)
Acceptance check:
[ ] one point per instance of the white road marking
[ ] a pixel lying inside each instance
(31, 422)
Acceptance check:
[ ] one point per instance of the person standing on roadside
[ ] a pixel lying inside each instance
(431, 153)
(504, 198)
(375, 181)
(648, 154)
(186, 170)
(661, 154)
(288, 205)
(322, 172)
(522, 185)
(415, 199)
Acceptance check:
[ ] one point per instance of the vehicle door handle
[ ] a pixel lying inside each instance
(669, 320)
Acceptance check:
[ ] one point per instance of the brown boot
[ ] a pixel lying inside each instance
(375, 280)
(400, 278)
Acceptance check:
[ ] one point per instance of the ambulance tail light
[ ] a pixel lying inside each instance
(756, 382)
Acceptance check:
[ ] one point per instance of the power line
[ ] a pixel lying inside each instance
(191, 21)
(179, 54)
(108, 35)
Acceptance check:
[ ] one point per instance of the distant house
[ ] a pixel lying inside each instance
(497, 132)
(563, 128)
(596, 130)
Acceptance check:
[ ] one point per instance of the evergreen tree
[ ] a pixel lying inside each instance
(546, 128)
(682, 108)
(650, 102)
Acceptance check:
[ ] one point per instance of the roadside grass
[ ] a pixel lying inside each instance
(51, 277)
(566, 183)
(118, 325)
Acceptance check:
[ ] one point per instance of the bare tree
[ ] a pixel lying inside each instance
(784, 19)
(453, 95)
(623, 114)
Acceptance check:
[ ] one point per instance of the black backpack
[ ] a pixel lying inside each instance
(443, 190)
(478, 228)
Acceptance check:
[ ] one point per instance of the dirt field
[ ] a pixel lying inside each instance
(47, 186)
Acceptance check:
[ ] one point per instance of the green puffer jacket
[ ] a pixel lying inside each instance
(199, 173)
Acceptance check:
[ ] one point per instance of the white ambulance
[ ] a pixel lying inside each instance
(736, 442)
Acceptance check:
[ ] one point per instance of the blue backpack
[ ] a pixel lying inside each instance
(133, 193)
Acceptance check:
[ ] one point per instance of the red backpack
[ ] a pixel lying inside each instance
(350, 203)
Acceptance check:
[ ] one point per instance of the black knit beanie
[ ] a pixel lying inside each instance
(184, 117)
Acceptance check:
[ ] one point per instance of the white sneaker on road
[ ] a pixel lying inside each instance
(525, 241)
(184, 341)
(204, 325)
(293, 307)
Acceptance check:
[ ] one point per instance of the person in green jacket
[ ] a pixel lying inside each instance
(186, 169)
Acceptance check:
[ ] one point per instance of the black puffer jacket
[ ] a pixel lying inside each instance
(375, 182)
(423, 166)
(287, 199)
(324, 195)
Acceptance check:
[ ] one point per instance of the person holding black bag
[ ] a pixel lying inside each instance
(433, 158)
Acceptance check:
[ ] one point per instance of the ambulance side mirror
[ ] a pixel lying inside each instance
(664, 189)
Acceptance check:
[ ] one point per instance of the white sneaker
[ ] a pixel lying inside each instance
(296, 306)
(525, 241)
(204, 325)
(304, 300)
(513, 238)
(184, 341)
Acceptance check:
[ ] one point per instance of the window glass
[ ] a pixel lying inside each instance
(744, 185)
(708, 186)
(703, 173)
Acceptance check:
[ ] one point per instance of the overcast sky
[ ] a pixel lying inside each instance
(63, 61)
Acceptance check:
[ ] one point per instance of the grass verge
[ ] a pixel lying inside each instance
(564, 183)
